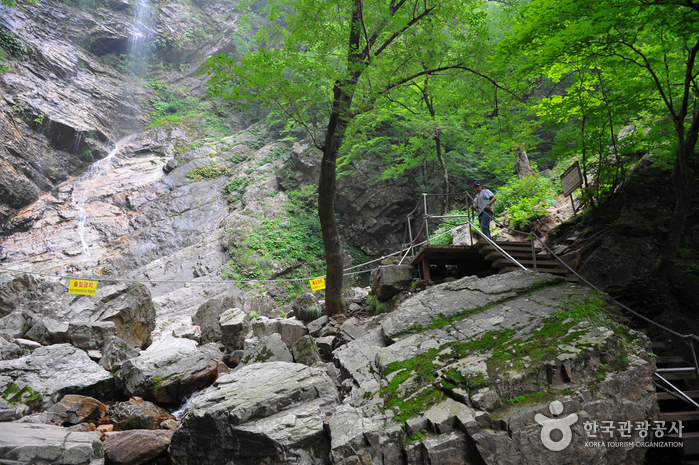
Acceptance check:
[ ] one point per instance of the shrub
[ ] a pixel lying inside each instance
(12, 44)
(525, 199)
(207, 172)
(294, 243)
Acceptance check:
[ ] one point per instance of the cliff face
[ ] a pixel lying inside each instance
(77, 80)
(78, 77)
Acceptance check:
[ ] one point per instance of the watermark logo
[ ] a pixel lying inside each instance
(552, 424)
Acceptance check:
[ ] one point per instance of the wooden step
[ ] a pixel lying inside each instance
(529, 262)
(503, 244)
(666, 396)
(658, 345)
(690, 441)
(669, 358)
(495, 255)
(679, 416)
(507, 248)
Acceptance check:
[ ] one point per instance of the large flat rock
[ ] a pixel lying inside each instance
(48, 445)
(42, 309)
(258, 413)
(168, 372)
(50, 372)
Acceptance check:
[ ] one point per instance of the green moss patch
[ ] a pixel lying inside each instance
(14, 395)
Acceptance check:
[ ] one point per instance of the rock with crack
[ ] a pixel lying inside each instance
(208, 314)
(261, 413)
(305, 351)
(136, 447)
(235, 325)
(115, 352)
(124, 310)
(356, 359)
(389, 280)
(75, 409)
(359, 437)
(470, 366)
(137, 413)
(268, 349)
(45, 444)
(40, 379)
(10, 351)
(290, 329)
(168, 372)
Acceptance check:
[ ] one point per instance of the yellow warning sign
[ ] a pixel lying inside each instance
(80, 286)
(317, 284)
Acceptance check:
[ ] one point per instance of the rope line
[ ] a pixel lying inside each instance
(161, 281)
(412, 246)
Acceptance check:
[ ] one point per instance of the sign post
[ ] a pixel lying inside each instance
(571, 179)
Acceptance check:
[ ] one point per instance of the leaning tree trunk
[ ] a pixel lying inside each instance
(445, 172)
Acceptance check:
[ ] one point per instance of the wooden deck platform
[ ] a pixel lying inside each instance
(482, 259)
(466, 257)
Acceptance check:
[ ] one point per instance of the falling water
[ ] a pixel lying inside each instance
(138, 65)
(140, 36)
(82, 192)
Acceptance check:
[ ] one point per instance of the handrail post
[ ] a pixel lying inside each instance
(427, 225)
(533, 252)
(410, 231)
(694, 354)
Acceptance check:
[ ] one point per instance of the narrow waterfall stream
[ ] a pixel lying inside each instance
(82, 192)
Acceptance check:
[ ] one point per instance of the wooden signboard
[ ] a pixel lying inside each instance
(571, 179)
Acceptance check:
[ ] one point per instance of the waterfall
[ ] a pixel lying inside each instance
(78, 197)
(81, 188)
(141, 34)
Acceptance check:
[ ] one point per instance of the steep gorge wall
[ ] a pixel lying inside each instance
(75, 91)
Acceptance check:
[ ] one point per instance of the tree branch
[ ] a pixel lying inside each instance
(360, 7)
(446, 68)
(399, 32)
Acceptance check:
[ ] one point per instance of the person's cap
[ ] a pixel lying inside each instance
(476, 183)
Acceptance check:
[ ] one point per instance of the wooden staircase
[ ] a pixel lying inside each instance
(522, 252)
(678, 371)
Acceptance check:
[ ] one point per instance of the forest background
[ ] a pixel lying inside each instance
(458, 87)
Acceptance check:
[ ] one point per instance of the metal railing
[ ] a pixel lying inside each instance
(690, 339)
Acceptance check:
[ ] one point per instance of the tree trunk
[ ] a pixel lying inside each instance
(685, 186)
(445, 173)
(342, 100)
(429, 102)
(343, 93)
(334, 303)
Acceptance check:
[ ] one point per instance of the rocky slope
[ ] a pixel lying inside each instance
(461, 372)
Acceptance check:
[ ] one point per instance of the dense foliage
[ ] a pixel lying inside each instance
(526, 199)
(288, 246)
